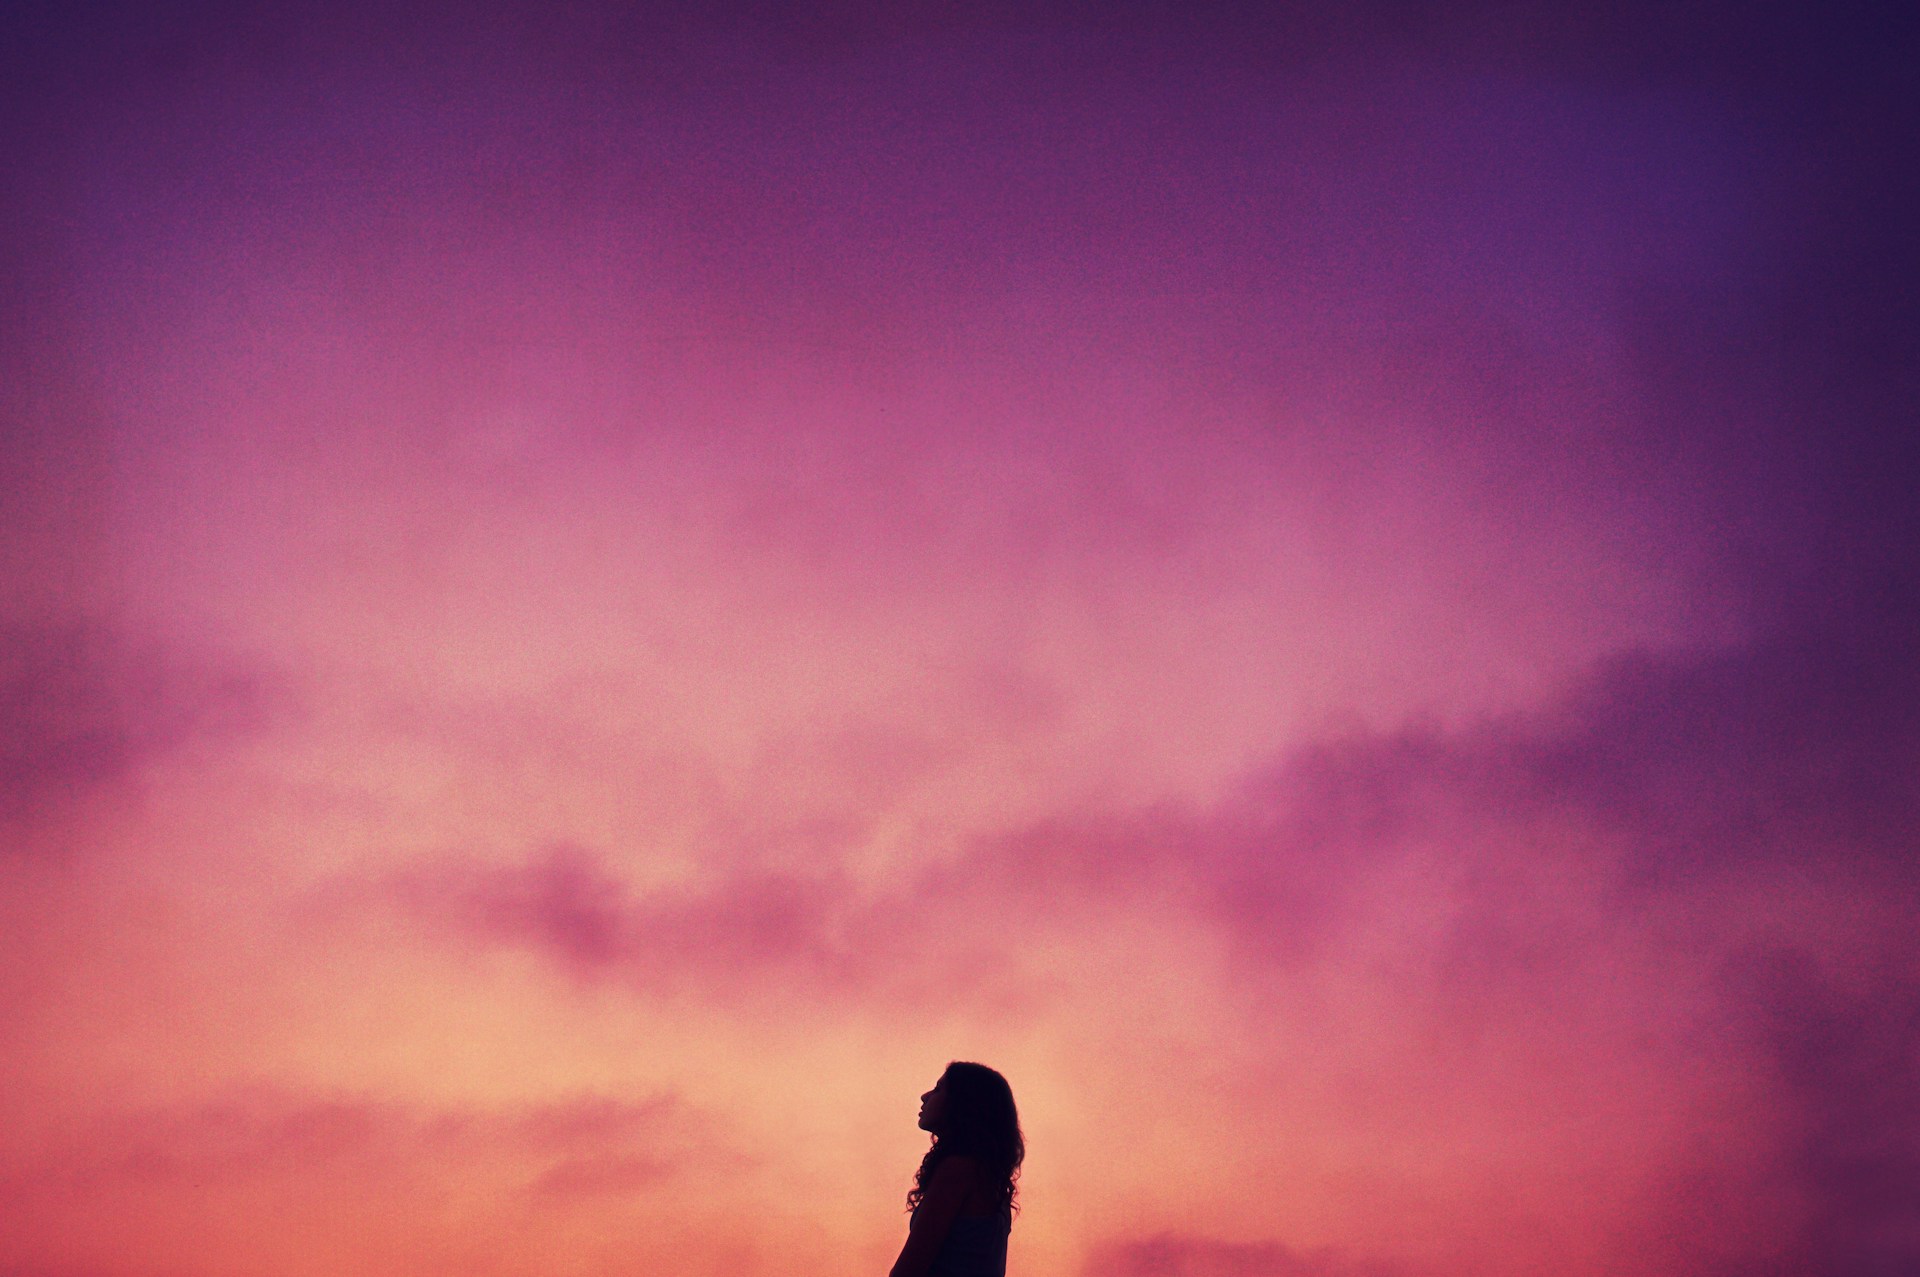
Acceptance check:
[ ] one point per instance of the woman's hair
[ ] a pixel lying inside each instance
(977, 1120)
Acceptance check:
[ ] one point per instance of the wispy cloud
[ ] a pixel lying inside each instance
(1567, 915)
(1176, 1255)
(358, 1178)
(85, 705)
(245, 1135)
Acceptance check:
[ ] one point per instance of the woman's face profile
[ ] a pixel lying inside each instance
(932, 1105)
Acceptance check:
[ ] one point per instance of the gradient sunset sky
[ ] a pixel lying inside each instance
(590, 593)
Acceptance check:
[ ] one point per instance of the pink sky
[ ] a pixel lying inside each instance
(591, 601)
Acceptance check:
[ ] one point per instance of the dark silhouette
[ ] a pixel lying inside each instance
(963, 1194)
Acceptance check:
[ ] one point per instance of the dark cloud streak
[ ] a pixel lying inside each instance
(1180, 1255)
(84, 706)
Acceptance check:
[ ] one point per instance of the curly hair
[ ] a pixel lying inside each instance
(978, 1121)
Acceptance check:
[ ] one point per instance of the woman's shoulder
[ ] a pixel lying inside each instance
(957, 1168)
(966, 1179)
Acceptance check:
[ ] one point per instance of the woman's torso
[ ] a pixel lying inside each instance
(976, 1245)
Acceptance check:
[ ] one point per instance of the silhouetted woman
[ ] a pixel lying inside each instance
(962, 1196)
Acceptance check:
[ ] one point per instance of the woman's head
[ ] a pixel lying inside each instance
(970, 1112)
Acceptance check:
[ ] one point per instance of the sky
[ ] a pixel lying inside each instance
(590, 593)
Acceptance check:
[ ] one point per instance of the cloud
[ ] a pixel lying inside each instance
(269, 1133)
(1678, 770)
(1741, 819)
(1848, 1052)
(1179, 1255)
(84, 706)
(1697, 862)
(350, 1180)
(569, 904)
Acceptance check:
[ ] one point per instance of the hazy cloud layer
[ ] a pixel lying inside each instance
(85, 705)
(348, 1174)
(1707, 853)
(1177, 1256)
